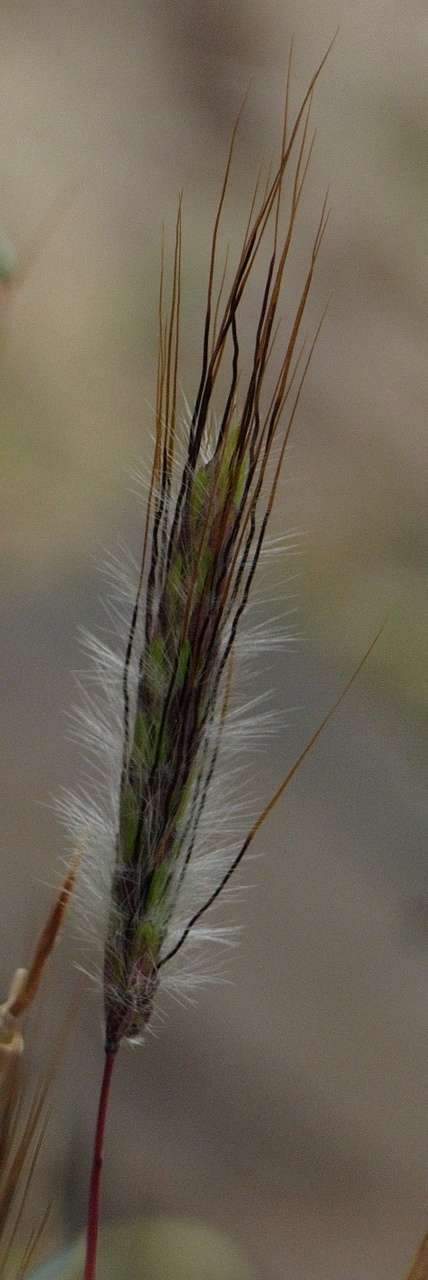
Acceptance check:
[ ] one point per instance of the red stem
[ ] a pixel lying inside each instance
(97, 1164)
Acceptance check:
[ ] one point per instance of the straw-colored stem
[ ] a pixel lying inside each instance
(419, 1269)
(97, 1164)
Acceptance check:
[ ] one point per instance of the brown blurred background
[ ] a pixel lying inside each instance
(289, 1106)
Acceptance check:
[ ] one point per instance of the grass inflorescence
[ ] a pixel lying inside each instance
(206, 523)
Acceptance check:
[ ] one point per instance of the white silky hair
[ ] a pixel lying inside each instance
(92, 814)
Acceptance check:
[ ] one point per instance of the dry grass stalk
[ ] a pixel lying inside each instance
(21, 1143)
(419, 1270)
(21, 1137)
(29, 981)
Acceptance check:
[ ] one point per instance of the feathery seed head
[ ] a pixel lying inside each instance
(205, 526)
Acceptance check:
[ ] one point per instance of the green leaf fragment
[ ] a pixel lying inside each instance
(203, 709)
(158, 884)
(228, 462)
(241, 482)
(164, 746)
(206, 560)
(144, 738)
(199, 491)
(128, 824)
(175, 580)
(184, 798)
(148, 938)
(157, 663)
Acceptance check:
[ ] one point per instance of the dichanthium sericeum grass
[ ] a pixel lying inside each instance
(168, 712)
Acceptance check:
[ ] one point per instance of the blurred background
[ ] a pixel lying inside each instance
(288, 1107)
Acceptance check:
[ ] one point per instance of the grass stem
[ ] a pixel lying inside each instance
(97, 1164)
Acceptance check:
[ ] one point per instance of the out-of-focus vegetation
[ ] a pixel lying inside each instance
(163, 1250)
